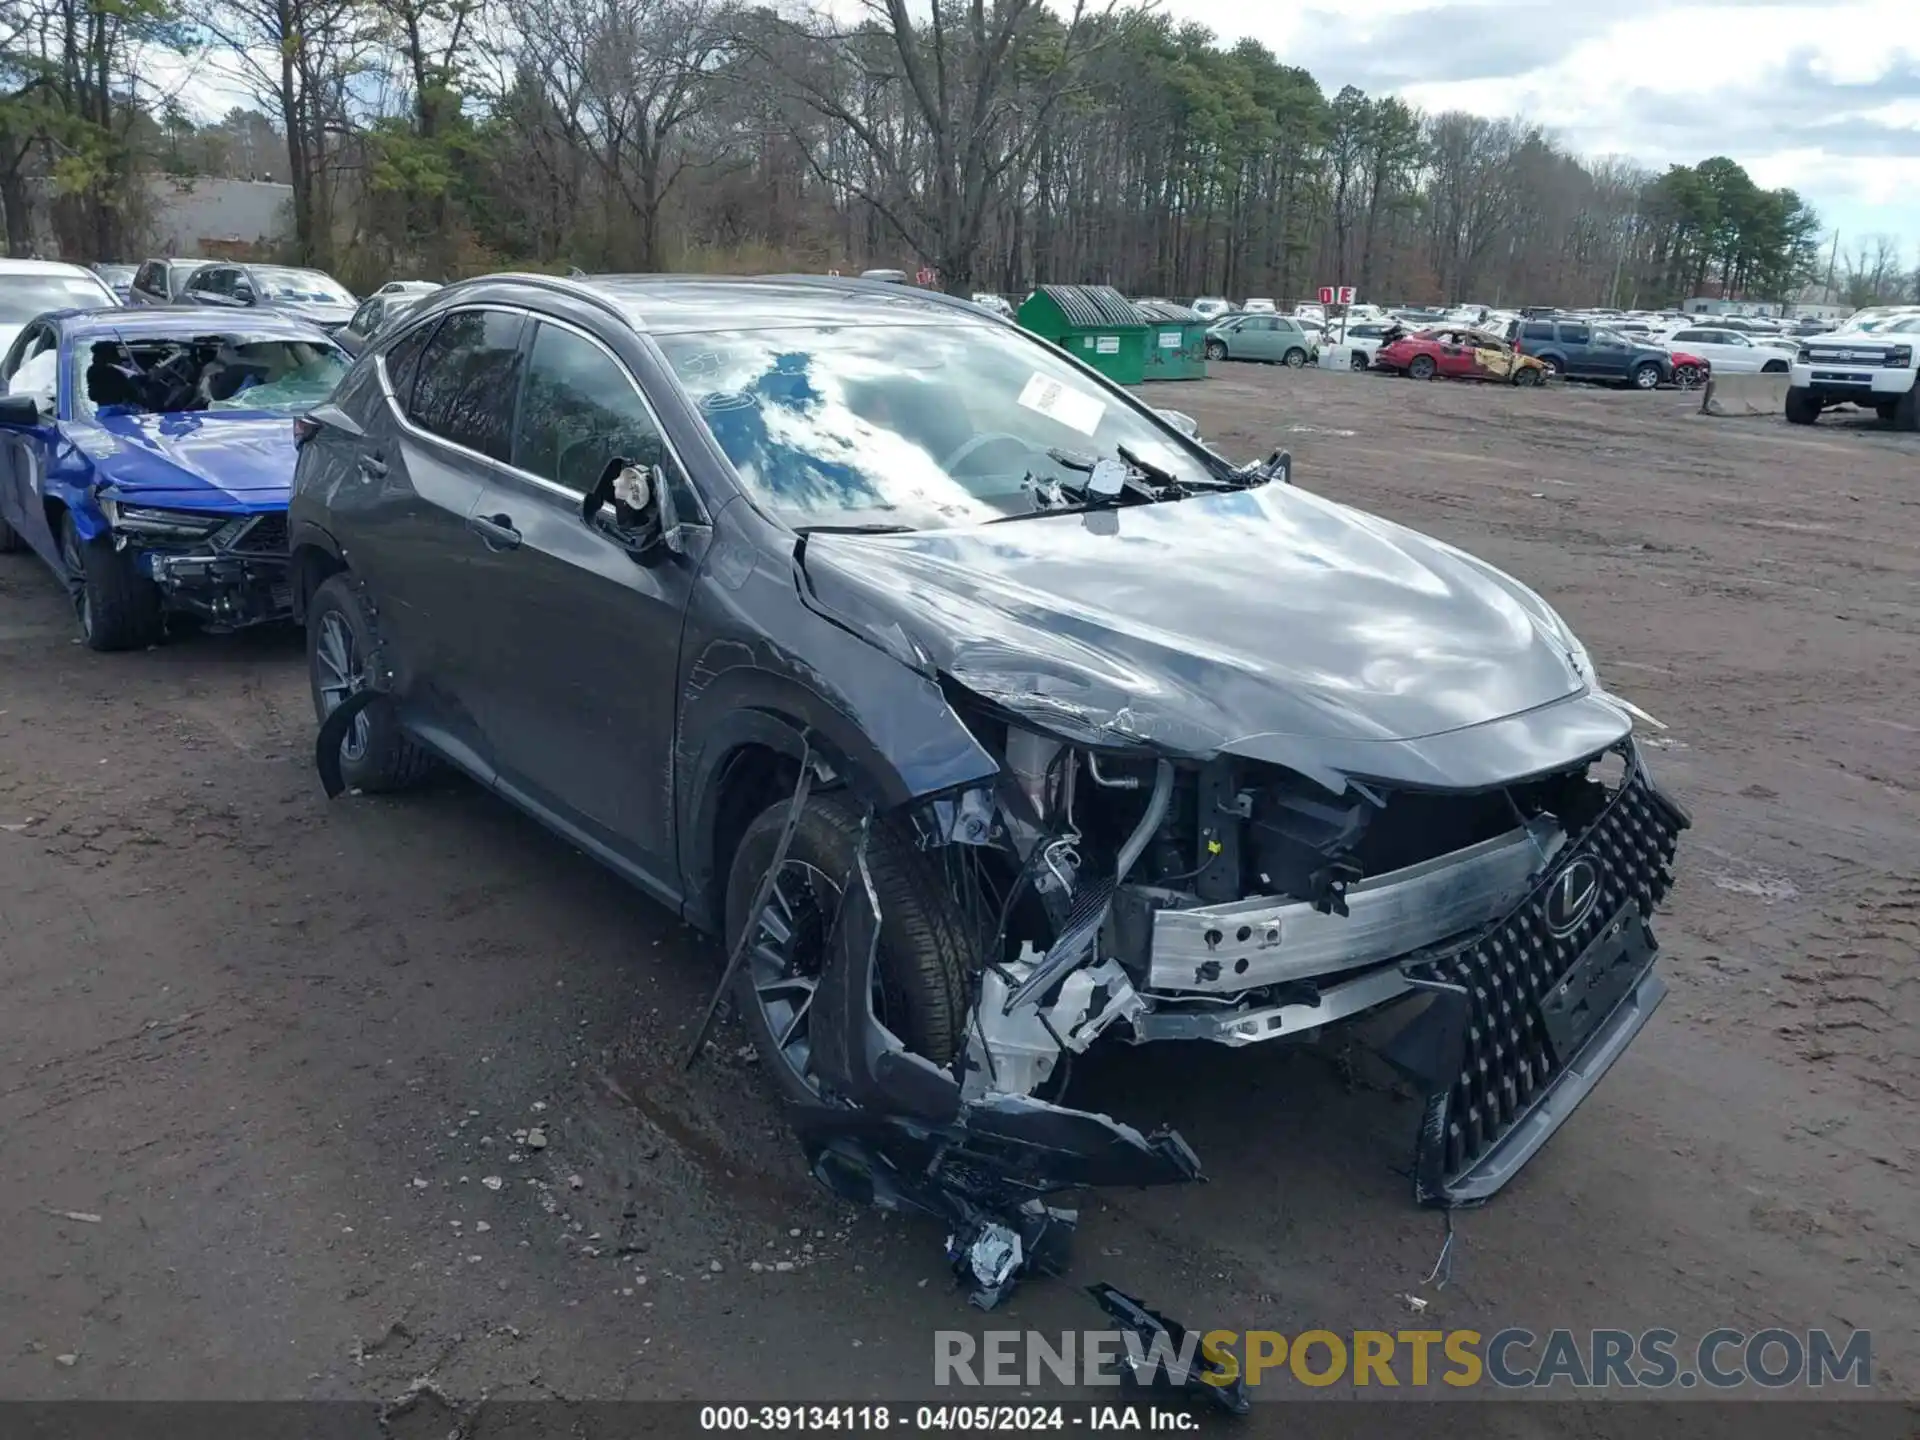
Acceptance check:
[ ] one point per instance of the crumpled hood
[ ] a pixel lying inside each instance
(1198, 623)
(219, 461)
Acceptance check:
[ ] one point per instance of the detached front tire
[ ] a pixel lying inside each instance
(118, 607)
(924, 958)
(1802, 408)
(376, 754)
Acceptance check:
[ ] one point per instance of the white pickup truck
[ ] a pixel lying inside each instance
(1867, 367)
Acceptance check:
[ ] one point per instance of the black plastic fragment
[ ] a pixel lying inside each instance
(333, 733)
(1203, 1376)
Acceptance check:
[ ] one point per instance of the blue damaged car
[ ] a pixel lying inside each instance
(146, 456)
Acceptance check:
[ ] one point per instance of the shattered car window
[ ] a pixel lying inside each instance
(168, 374)
(925, 427)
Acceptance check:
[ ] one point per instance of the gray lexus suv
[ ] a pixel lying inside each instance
(984, 714)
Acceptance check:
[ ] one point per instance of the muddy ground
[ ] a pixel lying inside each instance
(281, 1048)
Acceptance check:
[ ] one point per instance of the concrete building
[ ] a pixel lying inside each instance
(203, 216)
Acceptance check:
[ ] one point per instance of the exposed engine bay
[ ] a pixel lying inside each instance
(1141, 897)
(172, 374)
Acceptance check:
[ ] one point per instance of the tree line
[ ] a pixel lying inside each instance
(999, 143)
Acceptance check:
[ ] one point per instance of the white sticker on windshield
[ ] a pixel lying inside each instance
(1072, 408)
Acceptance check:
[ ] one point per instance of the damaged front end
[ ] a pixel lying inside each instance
(230, 570)
(1147, 896)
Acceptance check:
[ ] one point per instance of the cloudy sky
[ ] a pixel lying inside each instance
(1822, 97)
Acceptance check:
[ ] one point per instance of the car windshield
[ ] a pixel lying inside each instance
(277, 283)
(150, 374)
(922, 427)
(24, 296)
(116, 274)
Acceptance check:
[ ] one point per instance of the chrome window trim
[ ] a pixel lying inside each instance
(702, 521)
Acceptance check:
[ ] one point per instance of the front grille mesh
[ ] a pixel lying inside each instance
(267, 535)
(1508, 1058)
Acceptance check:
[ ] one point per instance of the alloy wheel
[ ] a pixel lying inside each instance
(788, 956)
(339, 663)
(72, 557)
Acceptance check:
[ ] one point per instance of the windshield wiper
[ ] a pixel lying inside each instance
(870, 528)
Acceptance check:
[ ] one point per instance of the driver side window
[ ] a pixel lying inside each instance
(34, 367)
(579, 410)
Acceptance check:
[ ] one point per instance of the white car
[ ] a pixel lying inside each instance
(1260, 304)
(408, 287)
(1210, 307)
(1365, 337)
(33, 287)
(1728, 351)
(997, 304)
(1879, 368)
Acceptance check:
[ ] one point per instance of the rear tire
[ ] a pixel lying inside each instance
(1421, 367)
(1802, 408)
(1774, 367)
(378, 755)
(1295, 358)
(1358, 360)
(924, 956)
(1687, 377)
(118, 607)
(1906, 410)
(1554, 368)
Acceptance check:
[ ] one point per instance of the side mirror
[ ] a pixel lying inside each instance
(625, 505)
(22, 411)
(243, 294)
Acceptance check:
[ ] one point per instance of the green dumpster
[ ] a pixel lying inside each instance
(1093, 323)
(1176, 341)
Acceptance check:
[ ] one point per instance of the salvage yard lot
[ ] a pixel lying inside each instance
(282, 1049)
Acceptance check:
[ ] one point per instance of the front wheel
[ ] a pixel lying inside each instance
(376, 753)
(1646, 377)
(1774, 367)
(1358, 360)
(1216, 349)
(1802, 408)
(920, 991)
(1296, 358)
(118, 607)
(1421, 367)
(1687, 377)
(1526, 376)
(1906, 410)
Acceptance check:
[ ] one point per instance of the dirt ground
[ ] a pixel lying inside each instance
(282, 1048)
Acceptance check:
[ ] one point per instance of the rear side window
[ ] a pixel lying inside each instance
(1575, 334)
(468, 380)
(402, 361)
(1537, 332)
(148, 278)
(1697, 337)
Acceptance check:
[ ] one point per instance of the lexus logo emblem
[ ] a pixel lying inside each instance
(1572, 895)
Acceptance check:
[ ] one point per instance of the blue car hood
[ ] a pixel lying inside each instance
(240, 461)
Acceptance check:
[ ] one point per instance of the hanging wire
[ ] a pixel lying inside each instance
(1443, 1264)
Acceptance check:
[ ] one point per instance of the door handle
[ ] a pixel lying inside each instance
(372, 466)
(496, 530)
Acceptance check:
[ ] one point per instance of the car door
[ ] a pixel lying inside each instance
(1611, 356)
(31, 366)
(210, 286)
(581, 709)
(1577, 342)
(1736, 354)
(1253, 339)
(1452, 355)
(399, 502)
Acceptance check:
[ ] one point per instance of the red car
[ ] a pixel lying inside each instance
(1690, 370)
(1460, 354)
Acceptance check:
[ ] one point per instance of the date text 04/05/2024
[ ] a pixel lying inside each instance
(946, 1419)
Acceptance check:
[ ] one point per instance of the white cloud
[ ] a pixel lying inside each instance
(1817, 96)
